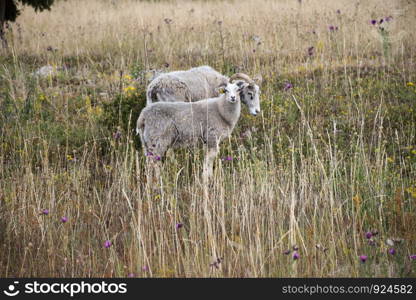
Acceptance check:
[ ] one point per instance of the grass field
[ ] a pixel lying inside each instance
(321, 184)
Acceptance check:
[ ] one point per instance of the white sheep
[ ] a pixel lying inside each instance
(164, 125)
(191, 85)
(199, 83)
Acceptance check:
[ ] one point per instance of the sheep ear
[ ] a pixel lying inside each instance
(258, 79)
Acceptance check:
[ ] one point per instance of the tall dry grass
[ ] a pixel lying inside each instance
(331, 158)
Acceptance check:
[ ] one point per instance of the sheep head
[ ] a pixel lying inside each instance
(250, 92)
(232, 92)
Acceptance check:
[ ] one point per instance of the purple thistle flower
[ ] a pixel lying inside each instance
(381, 21)
(131, 275)
(412, 257)
(107, 244)
(296, 256)
(228, 158)
(45, 212)
(388, 19)
(369, 235)
(331, 28)
(287, 252)
(178, 225)
(392, 251)
(338, 11)
(287, 86)
(363, 258)
(145, 268)
(310, 50)
(64, 219)
(149, 154)
(117, 135)
(157, 157)
(373, 22)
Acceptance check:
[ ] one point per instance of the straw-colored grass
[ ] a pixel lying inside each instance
(327, 161)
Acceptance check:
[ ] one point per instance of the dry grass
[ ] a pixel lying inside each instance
(329, 159)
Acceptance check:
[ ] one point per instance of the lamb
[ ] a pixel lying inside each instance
(164, 125)
(196, 84)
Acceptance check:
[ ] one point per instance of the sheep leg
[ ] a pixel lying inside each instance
(210, 155)
(156, 166)
(153, 166)
(157, 140)
(153, 170)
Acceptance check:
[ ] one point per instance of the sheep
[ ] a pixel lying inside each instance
(191, 85)
(196, 84)
(164, 125)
